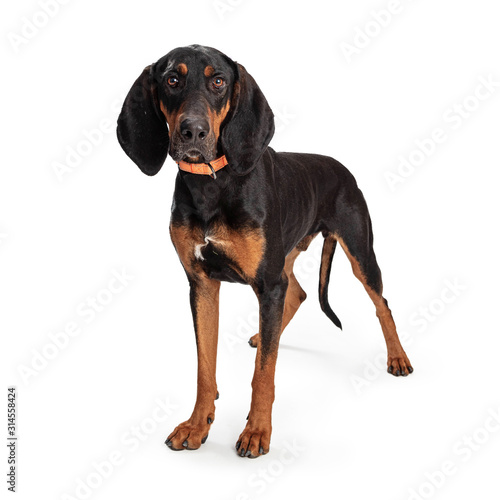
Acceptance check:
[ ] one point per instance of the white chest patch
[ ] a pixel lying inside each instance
(198, 248)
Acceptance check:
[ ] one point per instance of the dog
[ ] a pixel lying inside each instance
(243, 213)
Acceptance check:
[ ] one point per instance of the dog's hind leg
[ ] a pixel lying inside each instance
(354, 233)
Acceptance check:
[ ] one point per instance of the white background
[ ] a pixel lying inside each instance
(356, 431)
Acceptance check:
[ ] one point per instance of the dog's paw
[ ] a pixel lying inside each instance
(253, 442)
(399, 365)
(188, 436)
(254, 341)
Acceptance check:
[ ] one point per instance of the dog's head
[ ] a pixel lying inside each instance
(196, 104)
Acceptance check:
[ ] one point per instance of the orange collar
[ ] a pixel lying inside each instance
(204, 168)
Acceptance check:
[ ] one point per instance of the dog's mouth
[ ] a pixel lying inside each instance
(194, 156)
(204, 152)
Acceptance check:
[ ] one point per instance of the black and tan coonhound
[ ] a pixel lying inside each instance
(243, 213)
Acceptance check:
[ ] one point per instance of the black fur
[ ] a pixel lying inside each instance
(288, 195)
(197, 104)
(142, 132)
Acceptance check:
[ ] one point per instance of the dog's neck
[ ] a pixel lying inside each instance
(208, 197)
(225, 198)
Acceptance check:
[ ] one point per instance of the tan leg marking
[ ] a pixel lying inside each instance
(256, 437)
(397, 358)
(295, 295)
(192, 433)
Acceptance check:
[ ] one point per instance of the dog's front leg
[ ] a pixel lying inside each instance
(204, 297)
(255, 438)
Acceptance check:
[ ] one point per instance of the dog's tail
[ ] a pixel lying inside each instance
(324, 276)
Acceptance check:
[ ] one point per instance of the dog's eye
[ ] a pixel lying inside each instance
(173, 81)
(218, 82)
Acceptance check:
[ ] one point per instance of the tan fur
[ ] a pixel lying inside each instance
(396, 355)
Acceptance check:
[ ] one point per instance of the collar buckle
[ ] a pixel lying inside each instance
(213, 175)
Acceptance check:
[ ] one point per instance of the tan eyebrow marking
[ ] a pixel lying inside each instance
(182, 69)
(209, 71)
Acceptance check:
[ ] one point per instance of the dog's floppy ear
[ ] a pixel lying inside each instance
(250, 128)
(142, 130)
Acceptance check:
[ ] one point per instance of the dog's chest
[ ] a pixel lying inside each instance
(221, 252)
(213, 255)
(231, 255)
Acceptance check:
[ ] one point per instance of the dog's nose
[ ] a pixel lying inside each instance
(194, 129)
